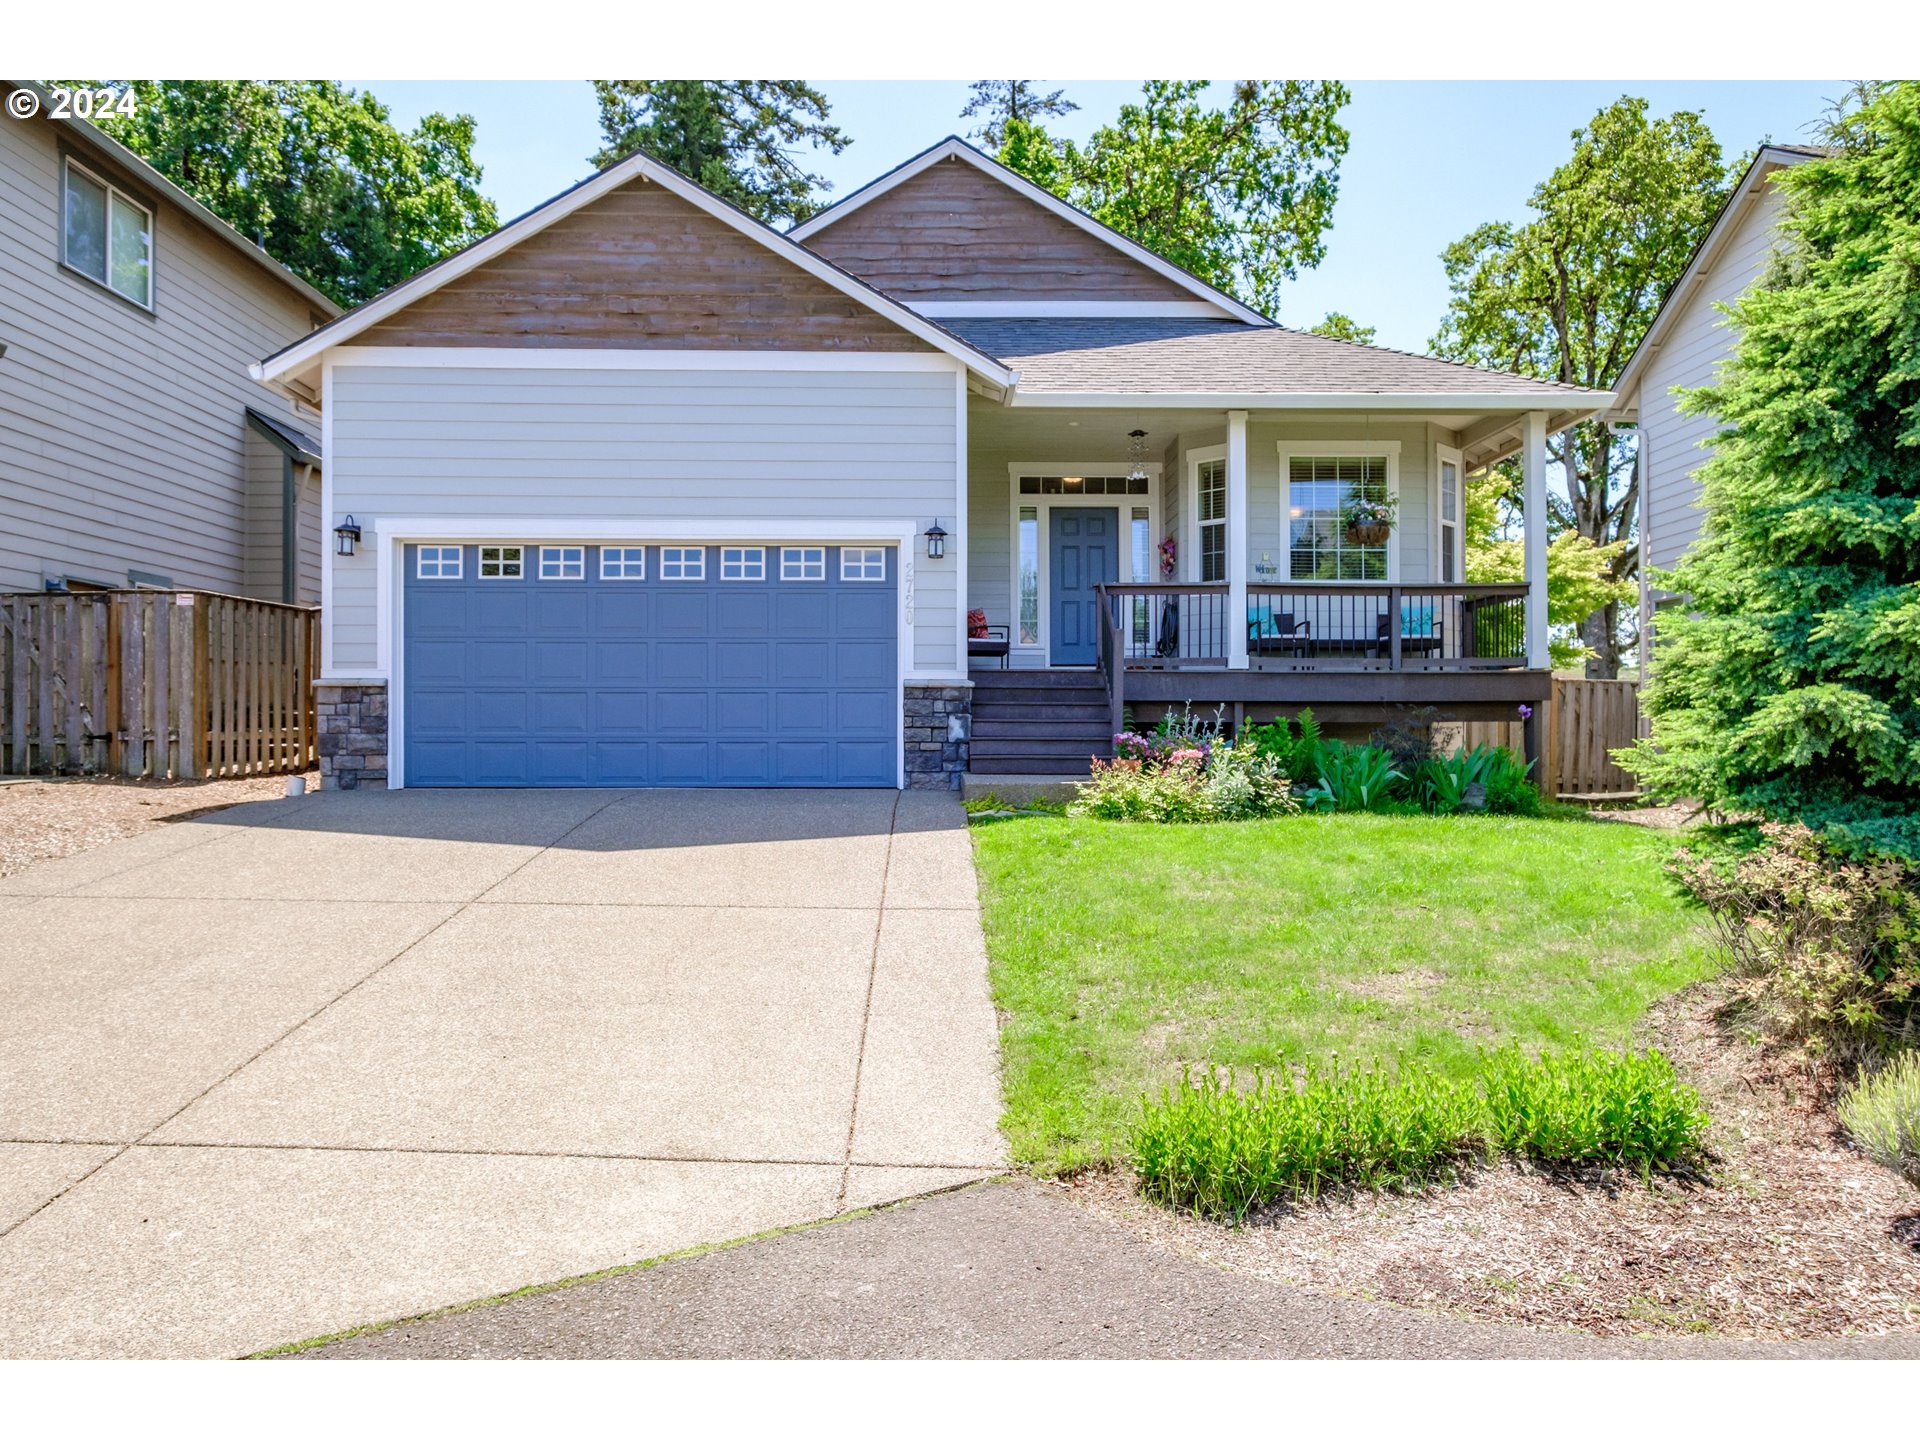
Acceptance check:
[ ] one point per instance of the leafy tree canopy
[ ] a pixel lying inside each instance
(997, 102)
(1241, 195)
(1580, 577)
(736, 137)
(316, 172)
(1341, 326)
(1789, 681)
(1568, 294)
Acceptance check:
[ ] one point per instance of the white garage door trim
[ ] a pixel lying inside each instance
(392, 535)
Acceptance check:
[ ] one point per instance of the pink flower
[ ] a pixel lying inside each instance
(1181, 756)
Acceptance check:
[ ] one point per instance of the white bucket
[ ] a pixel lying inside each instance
(296, 786)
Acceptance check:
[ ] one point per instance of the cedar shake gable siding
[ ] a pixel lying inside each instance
(954, 232)
(640, 268)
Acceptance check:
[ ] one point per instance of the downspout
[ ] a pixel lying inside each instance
(289, 527)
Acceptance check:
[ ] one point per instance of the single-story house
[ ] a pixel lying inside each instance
(136, 451)
(1683, 348)
(638, 491)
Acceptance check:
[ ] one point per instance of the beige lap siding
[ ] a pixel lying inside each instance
(874, 450)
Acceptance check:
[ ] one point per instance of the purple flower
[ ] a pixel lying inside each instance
(1526, 712)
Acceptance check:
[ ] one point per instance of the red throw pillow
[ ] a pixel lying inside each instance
(976, 624)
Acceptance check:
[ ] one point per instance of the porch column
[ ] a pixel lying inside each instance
(1533, 461)
(1237, 539)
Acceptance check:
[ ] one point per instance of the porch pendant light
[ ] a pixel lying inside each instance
(1137, 454)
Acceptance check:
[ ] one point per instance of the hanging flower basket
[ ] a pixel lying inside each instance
(1370, 522)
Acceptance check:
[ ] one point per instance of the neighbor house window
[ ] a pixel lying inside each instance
(737, 563)
(1319, 487)
(683, 562)
(500, 562)
(439, 562)
(1029, 575)
(563, 562)
(623, 562)
(803, 562)
(863, 562)
(1211, 478)
(108, 236)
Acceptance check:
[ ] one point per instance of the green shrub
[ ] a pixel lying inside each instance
(1220, 1151)
(1882, 1114)
(1592, 1107)
(1825, 948)
(1441, 783)
(1243, 784)
(1297, 752)
(1172, 794)
(1509, 790)
(1353, 777)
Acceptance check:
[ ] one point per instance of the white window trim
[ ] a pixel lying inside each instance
(560, 552)
(1448, 453)
(480, 562)
(623, 562)
(1337, 450)
(1187, 563)
(700, 570)
(786, 560)
(112, 190)
(749, 557)
(865, 552)
(1044, 504)
(439, 559)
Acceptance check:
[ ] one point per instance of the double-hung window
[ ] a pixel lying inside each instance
(1451, 553)
(107, 236)
(1211, 509)
(1319, 489)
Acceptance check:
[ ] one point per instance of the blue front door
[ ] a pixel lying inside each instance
(1083, 554)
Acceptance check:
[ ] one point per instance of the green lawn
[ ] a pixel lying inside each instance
(1121, 952)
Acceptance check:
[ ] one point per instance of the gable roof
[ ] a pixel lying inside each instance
(1193, 362)
(1744, 196)
(953, 147)
(91, 137)
(304, 354)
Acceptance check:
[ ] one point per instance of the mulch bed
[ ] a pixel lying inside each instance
(46, 819)
(1797, 1236)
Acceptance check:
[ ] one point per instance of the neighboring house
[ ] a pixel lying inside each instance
(1681, 350)
(650, 494)
(134, 448)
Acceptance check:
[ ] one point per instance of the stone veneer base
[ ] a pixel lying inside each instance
(938, 733)
(353, 734)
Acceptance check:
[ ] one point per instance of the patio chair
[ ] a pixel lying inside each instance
(990, 642)
(1281, 634)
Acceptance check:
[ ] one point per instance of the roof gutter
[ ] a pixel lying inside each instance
(1581, 403)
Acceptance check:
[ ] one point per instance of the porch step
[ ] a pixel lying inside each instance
(1064, 679)
(1006, 727)
(1097, 715)
(1048, 765)
(1055, 702)
(1054, 747)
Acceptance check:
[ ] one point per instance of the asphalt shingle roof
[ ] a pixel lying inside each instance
(1220, 357)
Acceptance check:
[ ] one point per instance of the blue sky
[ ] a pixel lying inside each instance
(1429, 160)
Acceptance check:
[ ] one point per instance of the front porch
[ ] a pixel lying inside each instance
(1212, 564)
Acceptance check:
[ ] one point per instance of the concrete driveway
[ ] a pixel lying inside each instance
(304, 1065)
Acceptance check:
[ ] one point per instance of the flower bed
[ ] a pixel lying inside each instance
(1187, 770)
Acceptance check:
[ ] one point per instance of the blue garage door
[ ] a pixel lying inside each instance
(650, 665)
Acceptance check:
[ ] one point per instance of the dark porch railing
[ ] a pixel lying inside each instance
(1317, 627)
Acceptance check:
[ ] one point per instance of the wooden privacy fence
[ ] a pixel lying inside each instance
(159, 683)
(1585, 722)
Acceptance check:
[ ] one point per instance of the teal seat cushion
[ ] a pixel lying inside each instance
(1261, 624)
(1417, 620)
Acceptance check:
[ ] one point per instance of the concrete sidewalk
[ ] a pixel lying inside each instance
(305, 1065)
(1007, 1270)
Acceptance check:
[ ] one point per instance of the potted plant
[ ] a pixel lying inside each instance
(1370, 521)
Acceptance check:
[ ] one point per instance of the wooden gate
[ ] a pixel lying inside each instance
(157, 683)
(1585, 722)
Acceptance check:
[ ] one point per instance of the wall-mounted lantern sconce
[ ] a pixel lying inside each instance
(936, 541)
(345, 536)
